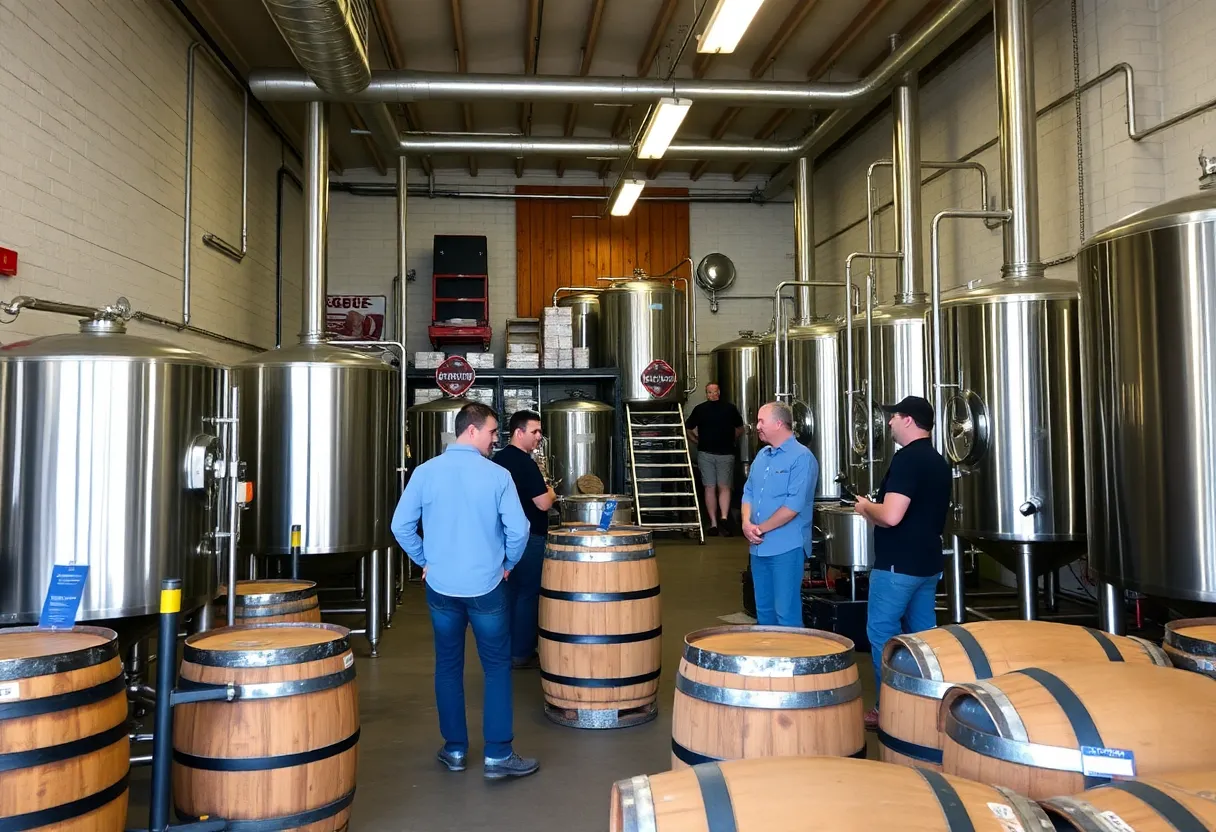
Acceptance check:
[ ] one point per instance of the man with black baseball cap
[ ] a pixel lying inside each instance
(909, 514)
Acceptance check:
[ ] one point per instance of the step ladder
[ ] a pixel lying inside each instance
(664, 491)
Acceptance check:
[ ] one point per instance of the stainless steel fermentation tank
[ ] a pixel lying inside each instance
(1149, 345)
(735, 368)
(580, 435)
(642, 321)
(432, 427)
(107, 452)
(585, 322)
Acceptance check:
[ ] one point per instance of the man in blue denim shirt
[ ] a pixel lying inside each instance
(475, 534)
(778, 502)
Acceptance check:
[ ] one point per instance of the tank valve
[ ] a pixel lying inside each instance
(1207, 172)
(1028, 508)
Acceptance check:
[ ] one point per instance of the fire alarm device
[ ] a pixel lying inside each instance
(8, 262)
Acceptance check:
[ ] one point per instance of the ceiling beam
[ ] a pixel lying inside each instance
(589, 41)
(393, 53)
(462, 66)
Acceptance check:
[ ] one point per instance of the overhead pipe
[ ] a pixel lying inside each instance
(328, 38)
(873, 210)
(403, 306)
(386, 189)
(905, 147)
(781, 342)
(316, 217)
(804, 242)
(1018, 138)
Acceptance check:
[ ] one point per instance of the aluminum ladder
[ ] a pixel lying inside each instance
(664, 491)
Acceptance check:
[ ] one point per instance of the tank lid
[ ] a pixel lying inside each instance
(97, 340)
(825, 328)
(1012, 290)
(578, 405)
(746, 340)
(656, 284)
(892, 313)
(589, 296)
(321, 353)
(1193, 208)
(443, 405)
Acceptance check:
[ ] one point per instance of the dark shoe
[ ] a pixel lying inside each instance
(726, 532)
(530, 663)
(513, 766)
(712, 531)
(871, 719)
(454, 760)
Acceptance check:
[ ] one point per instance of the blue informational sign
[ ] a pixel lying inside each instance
(1107, 762)
(63, 596)
(606, 515)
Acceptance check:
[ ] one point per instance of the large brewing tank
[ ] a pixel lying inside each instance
(643, 321)
(1149, 344)
(735, 368)
(432, 427)
(316, 436)
(580, 435)
(585, 321)
(1011, 387)
(105, 445)
(816, 395)
(900, 369)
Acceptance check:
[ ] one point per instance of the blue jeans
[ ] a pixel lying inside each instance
(450, 618)
(524, 589)
(898, 604)
(778, 583)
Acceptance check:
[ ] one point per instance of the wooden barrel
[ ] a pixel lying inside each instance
(1191, 644)
(1182, 801)
(766, 692)
(600, 627)
(831, 794)
(1025, 729)
(273, 602)
(285, 750)
(918, 669)
(64, 752)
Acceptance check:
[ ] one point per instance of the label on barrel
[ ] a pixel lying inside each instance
(1107, 762)
(63, 596)
(658, 378)
(455, 376)
(1006, 817)
(606, 515)
(348, 660)
(1117, 822)
(9, 691)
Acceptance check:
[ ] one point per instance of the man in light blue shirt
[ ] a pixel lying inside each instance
(778, 507)
(475, 532)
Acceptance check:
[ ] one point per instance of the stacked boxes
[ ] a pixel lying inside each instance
(518, 398)
(522, 356)
(480, 360)
(557, 332)
(427, 395)
(582, 358)
(428, 360)
(485, 395)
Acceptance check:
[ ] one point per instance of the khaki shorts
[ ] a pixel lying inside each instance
(716, 469)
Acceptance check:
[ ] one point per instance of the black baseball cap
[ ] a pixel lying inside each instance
(916, 407)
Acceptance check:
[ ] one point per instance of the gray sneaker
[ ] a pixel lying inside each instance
(454, 760)
(513, 766)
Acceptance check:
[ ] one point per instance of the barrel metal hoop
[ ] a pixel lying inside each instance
(920, 753)
(953, 809)
(1006, 717)
(63, 701)
(1029, 813)
(278, 690)
(12, 669)
(1079, 718)
(1108, 646)
(971, 646)
(768, 666)
(692, 758)
(261, 598)
(272, 657)
(64, 812)
(928, 688)
(597, 556)
(1158, 656)
(1187, 644)
(576, 682)
(296, 821)
(596, 597)
(926, 658)
(637, 804)
(1053, 757)
(266, 763)
(715, 795)
(1174, 813)
(590, 537)
(768, 699)
(243, 612)
(64, 751)
(1080, 814)
(1207, 667)
(582, 638)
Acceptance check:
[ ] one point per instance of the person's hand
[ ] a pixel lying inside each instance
(424, 573)
(506, 574)
(753, 534)
(859, 506)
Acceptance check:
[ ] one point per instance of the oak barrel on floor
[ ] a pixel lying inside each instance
(918, 669)
(1182, 801)
(765, 692)
(286, 749)
(272, 602)
(600, 619)
(827, 794)
(1191, 644)
(1025, 729)
(64, 750)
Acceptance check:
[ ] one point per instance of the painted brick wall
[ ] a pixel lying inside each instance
(92, 150)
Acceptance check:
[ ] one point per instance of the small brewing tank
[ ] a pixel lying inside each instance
(107, 452)
(735, 367)
(432, 427)
(643, 322)
(848, 540)
(588, 510)
(1149, 344)
(585, 321)
(579, 434)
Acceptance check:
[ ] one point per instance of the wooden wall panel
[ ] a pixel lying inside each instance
(564, 242)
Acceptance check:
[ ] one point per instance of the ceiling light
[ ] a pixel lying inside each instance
(662, 127)
(727, 25)
(624, 195)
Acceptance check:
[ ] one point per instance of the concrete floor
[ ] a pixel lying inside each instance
(402, 788)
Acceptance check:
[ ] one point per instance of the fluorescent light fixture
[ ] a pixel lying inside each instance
(727, 25)
(626, 193)
(667, 118)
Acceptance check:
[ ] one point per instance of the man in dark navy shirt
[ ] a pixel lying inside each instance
(908, 513)
(537, 497)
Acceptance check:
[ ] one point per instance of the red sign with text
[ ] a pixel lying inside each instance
(455, 376)
(355, 317)
(658, 378)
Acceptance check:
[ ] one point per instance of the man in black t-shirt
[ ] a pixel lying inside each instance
(537, 497)
(716, 426)
(908, 513)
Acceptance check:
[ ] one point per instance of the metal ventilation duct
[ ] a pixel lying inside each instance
(328, 38)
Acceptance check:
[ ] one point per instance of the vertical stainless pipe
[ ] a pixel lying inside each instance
(375, 600)
(187, 218)
(1028, 585)
(403, 305)
(1110, 608)
(905, 104)
(804, 241)
(1018, 137)
(955, 586)
(316, 219)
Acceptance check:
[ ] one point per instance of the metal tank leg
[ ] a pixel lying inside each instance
(361, 579)
(390, 588)
(203, 619)
(955, 584)
(375, 603)
(253, 567)
(1028, 589)
(1111, 613)
(1050, 582)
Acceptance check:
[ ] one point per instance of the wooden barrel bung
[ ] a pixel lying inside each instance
(273, 602)
(766, 692)
(832, 794)
(64, 752)
(1191, 644)
(1182, 801)
(285, 750)
(1032, 729)
(918, 669)
(600, 627)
